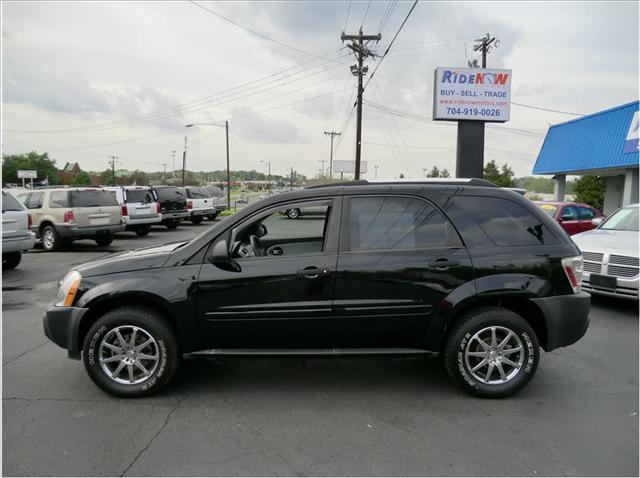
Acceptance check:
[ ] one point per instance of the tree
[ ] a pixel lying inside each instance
(503, 177)
(41, 163)
(590, 190)
(437, 173)
(82, 179)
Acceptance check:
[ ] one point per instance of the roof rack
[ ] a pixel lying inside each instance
(443, 181)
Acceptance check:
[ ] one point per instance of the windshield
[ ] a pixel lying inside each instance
(625, 219)
(92, 198)
(550, 209)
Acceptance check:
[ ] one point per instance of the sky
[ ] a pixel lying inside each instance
(87, 80)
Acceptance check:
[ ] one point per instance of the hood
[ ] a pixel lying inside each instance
(137, 259)
(624, 243)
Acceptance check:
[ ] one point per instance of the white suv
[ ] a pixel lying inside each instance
(16, 233)
(139, 206)
(199, 204)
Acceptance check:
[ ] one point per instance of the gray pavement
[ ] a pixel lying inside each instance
(357, 416)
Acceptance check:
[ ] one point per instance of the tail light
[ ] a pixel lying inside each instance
(573, 269)
(68, 217)
(123, 210)
(158, 207)
(189, 204)
(29, 221)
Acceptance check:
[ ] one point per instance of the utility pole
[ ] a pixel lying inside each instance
(164, 165)
(361, 52)
(226, 127)
(470, 141)
(332, 134)
(321, 167)
(291, 181)
(184, 159)
(173, 163)
(376, 168)
(113, 168)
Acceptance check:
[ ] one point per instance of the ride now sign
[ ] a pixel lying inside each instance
(472, 94)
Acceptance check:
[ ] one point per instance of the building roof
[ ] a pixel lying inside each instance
(593, 142)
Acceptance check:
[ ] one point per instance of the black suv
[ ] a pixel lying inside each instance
(173, 205)
(463, 268)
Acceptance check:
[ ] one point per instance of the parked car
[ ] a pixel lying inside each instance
(173, 205)
(462, 267)
(139, 207)
(573, 217)
(199, 203)
(296, 213)
(61, 216)
(16, 231)
(611, 262)
(219, 201)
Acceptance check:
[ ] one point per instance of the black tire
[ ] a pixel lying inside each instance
(11, 260)
(104, 241)
(212, 217)
(173, 224)
(165, 348)
(463, 341)
(143, 230)
(197, 219)
(51, 241)
(293, 213)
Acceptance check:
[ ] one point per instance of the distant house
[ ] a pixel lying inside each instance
(67, 174)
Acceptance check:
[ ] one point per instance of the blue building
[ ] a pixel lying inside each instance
(603, 144)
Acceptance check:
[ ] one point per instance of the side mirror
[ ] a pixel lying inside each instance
(262, 230)
(220, 252)
(596, 221)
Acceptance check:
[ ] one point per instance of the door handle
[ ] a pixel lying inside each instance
(313, 272)
(442, 264)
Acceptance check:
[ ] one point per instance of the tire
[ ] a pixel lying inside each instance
(11, 260)
(51, 241)
(149, 326)
(104, 241)
(212, 217)
(463, 352)
(143, 230)
(173, 224)
(197, 219)
(293, 213)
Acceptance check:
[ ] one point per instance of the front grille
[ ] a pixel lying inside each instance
(621, 271)
(592, 256)
(624, 260)
(592, 267)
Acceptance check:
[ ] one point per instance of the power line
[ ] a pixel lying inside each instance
(547, 109)
(347, 19)
(391, 43)
(365, 14)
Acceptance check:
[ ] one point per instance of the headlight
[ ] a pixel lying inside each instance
(68, 288)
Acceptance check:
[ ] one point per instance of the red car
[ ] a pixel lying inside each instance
(573, 217)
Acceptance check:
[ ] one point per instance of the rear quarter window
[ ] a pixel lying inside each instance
(58, 199)
(505, 222)
(92, 198)
(9, 203)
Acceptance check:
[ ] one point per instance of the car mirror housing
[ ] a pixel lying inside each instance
(596, 221)
(220, 252)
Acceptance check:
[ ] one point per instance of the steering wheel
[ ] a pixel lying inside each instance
(256, 245)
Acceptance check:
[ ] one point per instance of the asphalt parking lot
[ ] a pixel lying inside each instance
(303, 416)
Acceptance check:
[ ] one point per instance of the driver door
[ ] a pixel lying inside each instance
(277, 292)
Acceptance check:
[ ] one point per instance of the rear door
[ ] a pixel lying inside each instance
(94, 208)
(140, 203)
(585, 216)
(399, 258)
(569, 220)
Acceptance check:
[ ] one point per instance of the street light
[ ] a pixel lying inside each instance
(226, 126)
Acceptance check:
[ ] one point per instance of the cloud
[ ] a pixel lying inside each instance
(264, 129)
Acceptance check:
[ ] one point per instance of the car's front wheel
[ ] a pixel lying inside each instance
(172, 223)
(131, 352)
(104, 241)
(293, 213)
(197, 219)
(11, 260)
(143, 230)
(492, 352)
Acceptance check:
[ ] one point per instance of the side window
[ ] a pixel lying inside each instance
(24, 199)
(396, 223)
(274, 233)
(569, 213)
(58, 199)
(585, 214)
(35, 200)
(505, 222)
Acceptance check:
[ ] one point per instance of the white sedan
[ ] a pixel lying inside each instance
(610, 254)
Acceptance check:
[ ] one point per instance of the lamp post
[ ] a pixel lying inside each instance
(226, 126)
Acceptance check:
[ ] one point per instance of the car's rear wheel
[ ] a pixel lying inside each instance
(104, 241)
(172, 224)
(212, 217)
(143, 230)
(197, 219)
(293, 213)
(131, 352)
(50, 239)
(11, 260)
(492, 352)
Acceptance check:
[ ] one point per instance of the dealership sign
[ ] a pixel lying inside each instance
(472, 94)
(27, 174)
(631, 142)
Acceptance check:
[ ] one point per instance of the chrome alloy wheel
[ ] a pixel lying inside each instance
(494, 355)
(128, 354)
(48, 239)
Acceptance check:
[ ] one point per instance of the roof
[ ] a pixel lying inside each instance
(438, 181)
(593, 142)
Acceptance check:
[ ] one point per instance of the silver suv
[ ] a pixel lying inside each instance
(61, 216)
(16, 236)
